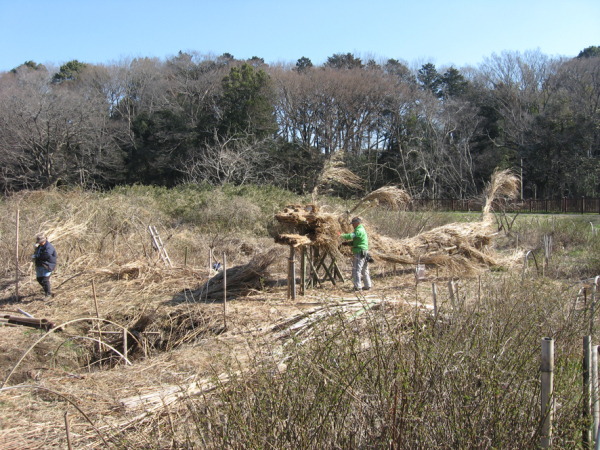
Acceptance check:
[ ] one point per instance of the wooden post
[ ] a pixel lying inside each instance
(185, 258)
(70, 447)
(303, 270)
(547, 390)
(98, 317)
(587, 432)
(224, 290)
(17, 258)
(292, 274)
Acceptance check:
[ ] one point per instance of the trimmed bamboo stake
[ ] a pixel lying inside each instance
(68, 430)
(303, 271)
(125, 343)
(587, 431)
(292, 270)
(435, 307)
(593, 306)
(98, 317)
(451, 290)
(224, 290)
(595, 400)
(547, 390)
(17, 258)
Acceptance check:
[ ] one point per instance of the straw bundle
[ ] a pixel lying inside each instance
(335, 172)
(316, 227)
(241, 280)
(392, 196)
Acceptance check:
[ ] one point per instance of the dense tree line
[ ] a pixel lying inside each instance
(217, 119)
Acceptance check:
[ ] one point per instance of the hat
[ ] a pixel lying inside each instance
(40, 238)
(355, 220)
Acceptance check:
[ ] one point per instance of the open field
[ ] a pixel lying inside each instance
(331, 369)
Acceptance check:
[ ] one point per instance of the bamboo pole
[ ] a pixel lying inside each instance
(595, 400)
(451, 290)
(224, 290)
(98, 317)
(292, 266)
(587, 431)
(17, 257)
(125, 343)
(547, 390)
(303, 271)
(435, 306)
(593, 306)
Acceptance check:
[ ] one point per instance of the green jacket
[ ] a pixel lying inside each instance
(359, 239)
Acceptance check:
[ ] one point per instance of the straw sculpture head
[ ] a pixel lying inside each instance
(392, 196)
(335, 172)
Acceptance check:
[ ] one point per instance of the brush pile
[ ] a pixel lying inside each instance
(241, 280)
(461, 248)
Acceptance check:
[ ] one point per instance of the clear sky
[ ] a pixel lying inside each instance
(444, 32)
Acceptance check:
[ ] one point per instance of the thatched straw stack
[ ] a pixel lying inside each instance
(241, 280)
(316, 227)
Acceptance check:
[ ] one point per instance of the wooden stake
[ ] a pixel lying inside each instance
(17, 258)
(224, 290)
(98, 317)
(185, 258)
(68, 430)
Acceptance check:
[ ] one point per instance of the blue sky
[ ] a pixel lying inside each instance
(458, 32)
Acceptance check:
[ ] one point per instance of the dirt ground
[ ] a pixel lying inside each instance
(186, 343)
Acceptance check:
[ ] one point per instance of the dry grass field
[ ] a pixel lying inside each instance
(330, 369)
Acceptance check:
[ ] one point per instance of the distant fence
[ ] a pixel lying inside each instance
(581, 205)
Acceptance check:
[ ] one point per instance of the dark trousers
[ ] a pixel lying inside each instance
(45, 283)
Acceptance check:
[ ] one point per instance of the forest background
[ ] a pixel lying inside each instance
(196, 118)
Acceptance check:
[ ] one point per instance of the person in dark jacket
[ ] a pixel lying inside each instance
(45, 262)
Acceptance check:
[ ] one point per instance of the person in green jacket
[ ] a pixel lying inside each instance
(360, 247)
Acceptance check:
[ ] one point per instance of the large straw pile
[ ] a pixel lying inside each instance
(461, 248)
(241, 280)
